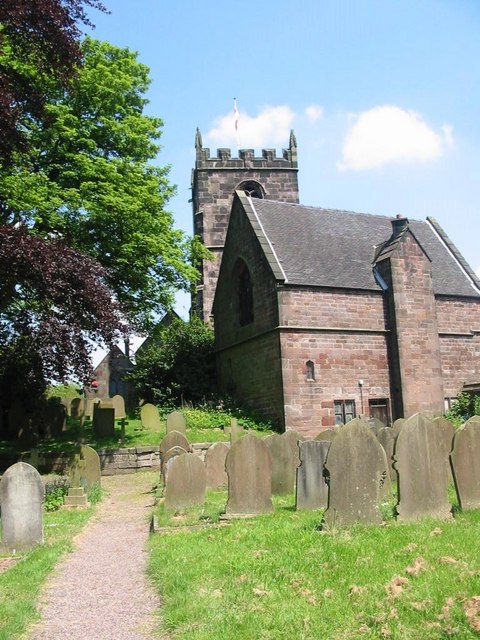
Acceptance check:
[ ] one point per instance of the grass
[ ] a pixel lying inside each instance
(281, 576)
(20, 584)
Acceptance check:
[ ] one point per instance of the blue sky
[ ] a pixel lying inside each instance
(383, 96)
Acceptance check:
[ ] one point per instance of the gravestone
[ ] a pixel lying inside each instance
(55, 419)
(77, 407)
(150, 417)
(327, 434)
(90, 404)
(285, 460)
(21, 503)
(176, 422)
(215, 465)
(167, 458)
(85, 468)
(356, 470)
(103, 421)
(386, 437)
(421, 461)
(448, 431)
(67, 403)
(249, 469)
(397, 425)
(234, 430)
(119, 405)
(173, 439)
(186, 482)
(312, 490)
(465, 457)
(376, 424)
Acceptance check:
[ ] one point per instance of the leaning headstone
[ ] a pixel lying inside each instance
(285, 460)
(150, 417)
(215, 465)
(186, 482)
(421, 462)
(327, 434)
(465, 458)
(176, 422)
(386, 437)
(312, 490)
(119, 405)
(21, 503)
(173, 439)
(356, 468)
(85, 470)
(249, 470)
(167, 460)
(103, 421)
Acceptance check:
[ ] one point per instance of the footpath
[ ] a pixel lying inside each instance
(100, 590)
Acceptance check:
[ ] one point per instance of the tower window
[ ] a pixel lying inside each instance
(252, 188)
(310, 370)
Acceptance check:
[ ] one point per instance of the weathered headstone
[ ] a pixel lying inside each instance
(77, 407)
(356, 468)
(249, 470)
(21, 502)
(119, 405)
(173, 439)
(421, 462)
(186, 482)
(215, 465)
(465, 457)
(312, 490)
(169, 455)
(103, 421)
(285, 460)
(176, 422)
(150, 417)
(386, 437)
(327, 434)
(85, 470)
(55, 419)
(397, 425)
(234, 430)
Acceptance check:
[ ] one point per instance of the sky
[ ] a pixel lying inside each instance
(383, 96)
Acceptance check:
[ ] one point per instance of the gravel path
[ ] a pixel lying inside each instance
(100, 592)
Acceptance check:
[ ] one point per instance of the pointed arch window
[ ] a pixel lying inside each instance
(244, 293)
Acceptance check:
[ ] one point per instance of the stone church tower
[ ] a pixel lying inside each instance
(214, 181)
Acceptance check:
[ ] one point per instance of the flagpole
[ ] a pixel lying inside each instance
(236, 116)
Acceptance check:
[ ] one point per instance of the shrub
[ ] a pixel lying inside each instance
(463, 407)
(55, 491)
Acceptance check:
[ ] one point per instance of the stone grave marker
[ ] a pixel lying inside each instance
(235, 430)
(55, 417)
(150, 417)
(448, 431)
(249, 469)
(85, 470)
(376, 424)
(77, 407)
(327, 434)
(119, 405)
(284, 452)
(174, 439)
(356, 469)
(186, 482)
(21, 503)
(386, 437)
(176, 422)
(215, 465)
(169, 455)
(465, 457)
(90, 404)
(312, 490)
(103, 420)
(421, 457)
(397, 425)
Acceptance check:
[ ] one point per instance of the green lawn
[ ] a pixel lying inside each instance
(280, 576)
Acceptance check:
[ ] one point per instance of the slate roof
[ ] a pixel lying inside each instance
(331, 248)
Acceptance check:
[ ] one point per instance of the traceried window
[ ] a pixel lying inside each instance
(252, 188)
(244, 293)
(344, 411)
(310, 370)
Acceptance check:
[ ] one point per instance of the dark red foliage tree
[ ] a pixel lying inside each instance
(53, 304)
(39, 47)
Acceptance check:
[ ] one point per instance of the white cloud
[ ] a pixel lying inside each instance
(314, 112)
(389, 134)
(270, 127)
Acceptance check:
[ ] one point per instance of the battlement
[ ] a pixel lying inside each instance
(246, 157)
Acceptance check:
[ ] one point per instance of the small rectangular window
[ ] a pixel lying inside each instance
(344, 411)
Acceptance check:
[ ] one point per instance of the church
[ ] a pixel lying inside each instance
(322, 315)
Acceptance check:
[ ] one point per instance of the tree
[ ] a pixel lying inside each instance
(53, 304)
(88, 179)
(178, 365)
(39, 43)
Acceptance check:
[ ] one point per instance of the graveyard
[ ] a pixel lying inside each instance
(363, 532)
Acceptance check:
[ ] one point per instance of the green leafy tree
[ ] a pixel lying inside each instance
(88, 178)
(178, 365)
